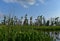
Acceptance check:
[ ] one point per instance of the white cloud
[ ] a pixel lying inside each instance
(25, 6)
(24, 3)
(31, 2)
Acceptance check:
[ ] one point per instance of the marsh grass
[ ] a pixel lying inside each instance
(23, 33)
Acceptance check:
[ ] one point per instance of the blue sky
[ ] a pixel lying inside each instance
(47, 8)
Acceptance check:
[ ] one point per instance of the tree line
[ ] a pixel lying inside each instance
(39, 21)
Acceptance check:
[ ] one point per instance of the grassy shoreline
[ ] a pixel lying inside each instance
(43, 28)
(22, 33)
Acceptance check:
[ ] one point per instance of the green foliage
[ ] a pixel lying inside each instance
(25, 20)
(22, 33)
(31, 20)
(47, 24)
(4, 21)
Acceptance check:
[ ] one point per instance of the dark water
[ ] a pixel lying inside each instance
(55, 35)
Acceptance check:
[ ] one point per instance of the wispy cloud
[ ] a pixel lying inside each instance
(1, 15)
(9, 1)
(42, 1)
(31, 2)
(24, 3)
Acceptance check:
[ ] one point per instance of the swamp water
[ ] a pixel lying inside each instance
(55, 35)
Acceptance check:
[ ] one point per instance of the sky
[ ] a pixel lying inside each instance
(47, 8)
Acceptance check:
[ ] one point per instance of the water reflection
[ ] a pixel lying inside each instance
(55, 35)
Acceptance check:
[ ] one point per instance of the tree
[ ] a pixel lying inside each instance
(25, 20)
(41, 20)
(52, 23)
(15, 20)
(52, 20)
(21, 20)
(12, 21)
(44, 21)
(4, 21)
(47, 24)
(38, 21)
(56, 20)
(9, 19)
(31, 20)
